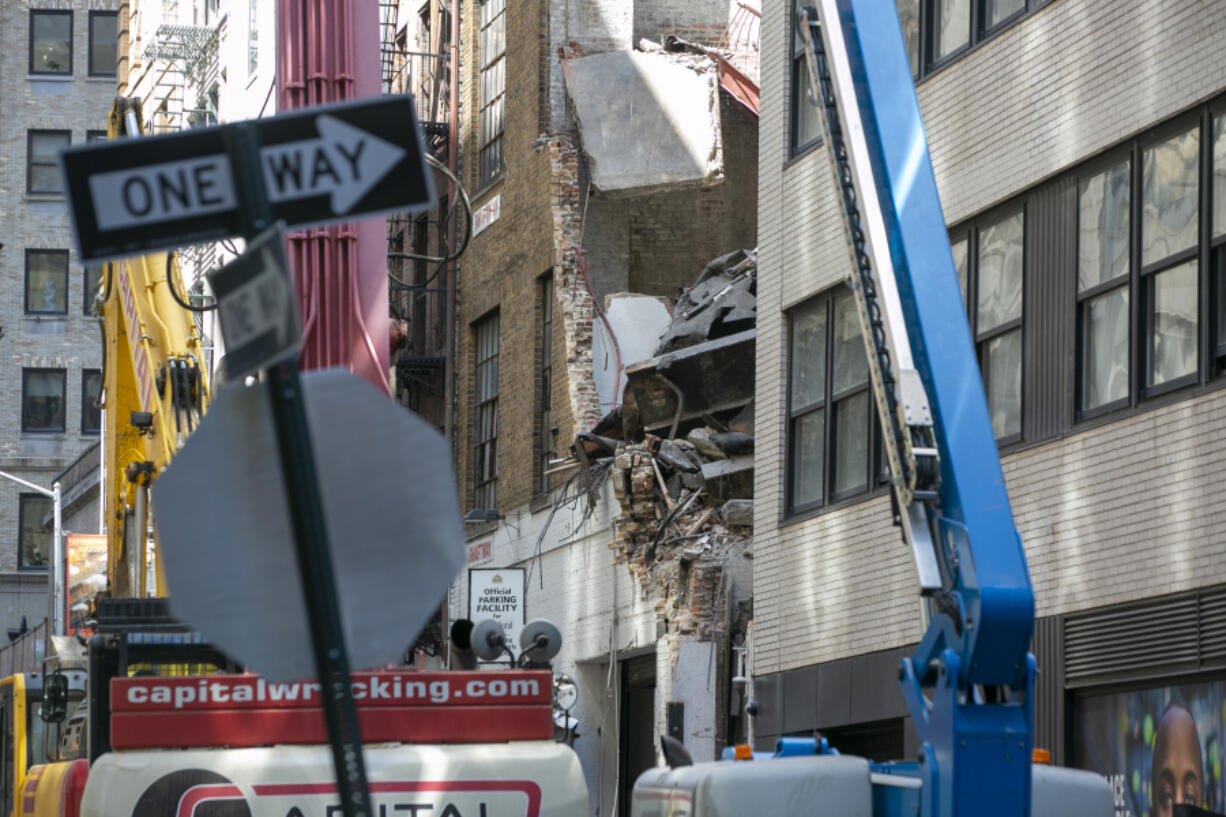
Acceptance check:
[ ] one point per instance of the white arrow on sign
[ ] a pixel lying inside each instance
(344, 161)
(258, 305)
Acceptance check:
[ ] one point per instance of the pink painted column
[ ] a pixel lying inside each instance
(328, 51)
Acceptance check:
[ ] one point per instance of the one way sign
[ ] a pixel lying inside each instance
(323, 164)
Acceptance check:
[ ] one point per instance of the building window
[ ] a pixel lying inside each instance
(485, 447)
(104, 42)
(47, 282)
(909, 18)
(95, 136)
(989, 259)
(91, 411)
(1170, 216)
(806, 122)
(1218, 209)
(42, 400)
(35, 547)
(545, 398)
(949, 29)
(493, 43)
(1104, 242)
(50, 42)
(42, 160)
(831, 433)
(93, 286)
(253, 38)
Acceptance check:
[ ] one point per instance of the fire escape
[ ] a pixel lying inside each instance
(416, 60)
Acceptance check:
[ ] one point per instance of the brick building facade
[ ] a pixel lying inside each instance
(549, 249)
(1109, 429)
(57, 82)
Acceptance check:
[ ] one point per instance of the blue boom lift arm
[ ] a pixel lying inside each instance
(969, 685)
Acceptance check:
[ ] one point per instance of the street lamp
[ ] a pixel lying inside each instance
(55, 570)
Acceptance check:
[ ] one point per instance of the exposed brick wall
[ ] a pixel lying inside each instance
(1118, 512)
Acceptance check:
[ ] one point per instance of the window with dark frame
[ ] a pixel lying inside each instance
(103, 43)
(95, 136)
(1104, 242)
(485, 427)
(806, 123)
(35, 538)
(492, 33)
(91, 412)
(946, 30)
(50, 42)
(989, 259)
(42, 399)
(46, 282)
(545, 396)
(832, 433)
(42, 160)
(1218, 237)
(1170, 219)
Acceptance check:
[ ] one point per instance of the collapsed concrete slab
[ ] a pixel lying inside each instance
(647, 120)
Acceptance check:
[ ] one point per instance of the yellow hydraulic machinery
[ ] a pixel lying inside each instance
(154, 390)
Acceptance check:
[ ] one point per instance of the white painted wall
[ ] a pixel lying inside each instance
(638, 322)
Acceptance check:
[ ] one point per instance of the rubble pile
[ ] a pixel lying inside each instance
(681, 457)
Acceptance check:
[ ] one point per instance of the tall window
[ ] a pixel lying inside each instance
(91, 412)
(1218, 234)
(544, 400)
(42, 160)
(1104, 244)
(103, 42)
(47, 282)
(42, 400)
(831, 435)
(35, 546)
(909, 18)
(989, 259)
(806, 122)
(485, 442)
(1170, 185)
(493, 45)
(50, 42)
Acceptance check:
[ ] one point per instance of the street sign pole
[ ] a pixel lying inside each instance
(305, 507)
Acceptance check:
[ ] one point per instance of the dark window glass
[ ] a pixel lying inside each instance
(806, 123)
(831, 437)
(1169, 187)
(95, 136)
(50, 42)
(104, 42)
(492, 44)
(1172, 322)
(545, 400)
(959, 249)
(35, 547)
(998, 319)
(42, 400)
(91, 412)
(1104, 348)
(42, 160)
(996, 12)
(485, 441)
(47, 282)
(951, 26)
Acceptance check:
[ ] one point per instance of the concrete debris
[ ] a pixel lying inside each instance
(701, 439)
(732, 443)
(738, 513)
(722, 302)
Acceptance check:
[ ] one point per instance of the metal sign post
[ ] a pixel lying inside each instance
(242, 143)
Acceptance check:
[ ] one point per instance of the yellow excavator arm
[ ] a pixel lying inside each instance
(154, 389)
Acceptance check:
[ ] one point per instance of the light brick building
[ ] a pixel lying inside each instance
(57, 82)
(1080, 156)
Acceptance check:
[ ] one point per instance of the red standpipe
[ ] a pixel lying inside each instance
(328, 51)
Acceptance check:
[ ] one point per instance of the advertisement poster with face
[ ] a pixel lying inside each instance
(1161, 748)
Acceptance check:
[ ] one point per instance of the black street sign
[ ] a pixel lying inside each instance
(322, 164)
(256, 306)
